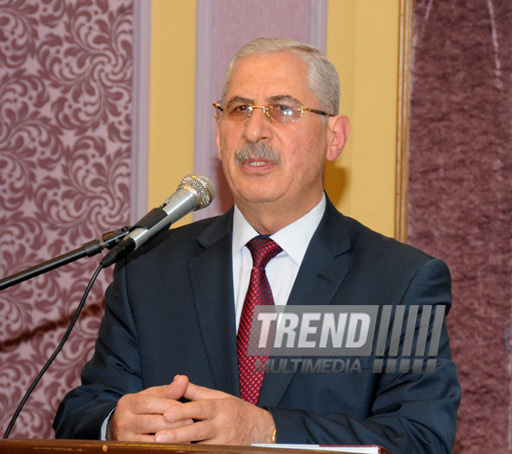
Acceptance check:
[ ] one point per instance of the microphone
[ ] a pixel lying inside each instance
(193, 193)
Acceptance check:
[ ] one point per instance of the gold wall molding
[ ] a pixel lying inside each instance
(402, 145)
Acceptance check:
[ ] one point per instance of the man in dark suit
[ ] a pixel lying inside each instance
(166, 366)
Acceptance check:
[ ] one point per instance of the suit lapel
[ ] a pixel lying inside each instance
(323, 269)
(211, 278)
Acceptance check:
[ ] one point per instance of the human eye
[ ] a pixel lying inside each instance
(283, 109)
(238, 110)
(283, 112)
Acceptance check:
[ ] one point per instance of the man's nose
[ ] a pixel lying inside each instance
(257, 127)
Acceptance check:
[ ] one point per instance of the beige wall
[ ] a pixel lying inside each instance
(171, 106)
(362, 41)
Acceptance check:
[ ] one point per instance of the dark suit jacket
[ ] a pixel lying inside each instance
(170, 310)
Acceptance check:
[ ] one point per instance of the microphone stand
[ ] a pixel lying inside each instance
(107, 240)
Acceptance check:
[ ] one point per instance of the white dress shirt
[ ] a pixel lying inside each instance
(283, 268)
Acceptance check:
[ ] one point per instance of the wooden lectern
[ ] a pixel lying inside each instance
(111, 447)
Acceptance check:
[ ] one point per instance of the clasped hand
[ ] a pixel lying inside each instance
(157, 415)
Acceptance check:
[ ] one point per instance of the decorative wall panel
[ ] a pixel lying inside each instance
(65, 135)
(460, 195)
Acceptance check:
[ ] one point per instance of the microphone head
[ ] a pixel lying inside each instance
(201, 187)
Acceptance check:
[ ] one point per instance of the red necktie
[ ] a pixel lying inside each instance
(263, 249)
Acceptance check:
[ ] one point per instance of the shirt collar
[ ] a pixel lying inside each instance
(293, 239)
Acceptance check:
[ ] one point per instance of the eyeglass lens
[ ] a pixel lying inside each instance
(278, 112)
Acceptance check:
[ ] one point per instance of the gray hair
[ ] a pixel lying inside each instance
(322, 76)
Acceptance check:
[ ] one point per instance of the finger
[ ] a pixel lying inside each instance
(174, 390)
(157, 391)
(140, 404)
(142, 425)
(141, 414)
(177, 388)
(198, 431)
(198, 410)
(195, 392)
(138, 438)
(150, 424)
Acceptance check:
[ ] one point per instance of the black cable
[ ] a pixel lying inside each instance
(54, 354)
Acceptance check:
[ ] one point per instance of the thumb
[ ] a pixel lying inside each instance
(176, 390)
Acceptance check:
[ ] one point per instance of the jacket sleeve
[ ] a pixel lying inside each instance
(410, 412)
(113, 371)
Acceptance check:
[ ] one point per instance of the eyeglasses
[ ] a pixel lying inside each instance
(279, 112)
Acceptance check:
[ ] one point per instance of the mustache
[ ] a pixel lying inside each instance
(257, 150)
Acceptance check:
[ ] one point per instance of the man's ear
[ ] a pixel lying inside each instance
(339, 129)
(217, 134)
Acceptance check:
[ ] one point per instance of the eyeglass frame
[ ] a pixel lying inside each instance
(265, 109)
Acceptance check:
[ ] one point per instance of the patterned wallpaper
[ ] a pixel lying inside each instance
(65, 131)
